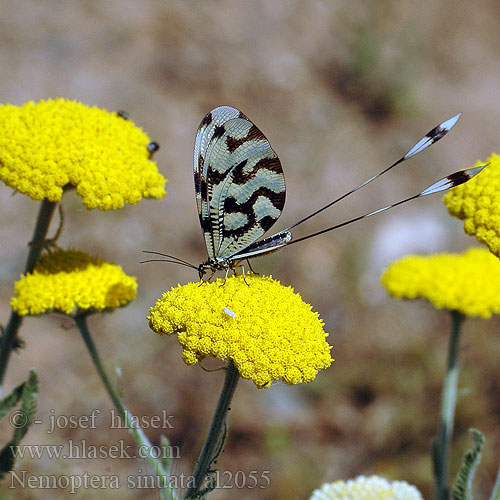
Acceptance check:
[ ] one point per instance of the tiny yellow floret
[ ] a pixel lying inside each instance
(52, 145)
(264, 327)
(468, 282)
(72, 282)
(367, 488)
(478, 203)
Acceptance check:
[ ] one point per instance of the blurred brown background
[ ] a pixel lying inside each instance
(341, 89)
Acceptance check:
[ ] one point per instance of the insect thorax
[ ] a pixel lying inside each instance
(217, 264)
(262, 247)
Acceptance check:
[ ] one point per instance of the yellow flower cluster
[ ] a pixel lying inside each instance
(264, 327)
(478, 203)
(56, 144)
(72, 282)
(467, 282)
(367, 488)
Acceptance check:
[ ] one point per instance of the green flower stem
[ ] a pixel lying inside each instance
(39, 235)
(214, 434)
(138, 434)
(448, 404)
(8, 339)
(495, 494)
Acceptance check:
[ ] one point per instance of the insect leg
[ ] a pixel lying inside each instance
(243, 271)
(250, 266)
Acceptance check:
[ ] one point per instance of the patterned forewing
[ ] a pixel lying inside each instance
(208, 131)
(245, 186)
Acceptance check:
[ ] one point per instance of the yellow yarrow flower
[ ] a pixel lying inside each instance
(55, 144)
(72, 282)
(467, 282)
(264, 327)
(478, 203)
(367, 488)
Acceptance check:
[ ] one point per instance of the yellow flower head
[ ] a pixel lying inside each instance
(367, 488)
(264, 327)
(53, 144)
(72, 282)
(478, 203)
(467, 282)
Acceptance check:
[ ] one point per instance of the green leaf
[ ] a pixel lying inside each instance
(7, 403)
(29, 403)
(463, 484)
(29, 399)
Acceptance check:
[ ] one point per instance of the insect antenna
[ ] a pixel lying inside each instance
(443, 184)
(170, 259)
(429, 139)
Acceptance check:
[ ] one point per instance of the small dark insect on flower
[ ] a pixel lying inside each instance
(123, 114)
(153, 147)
